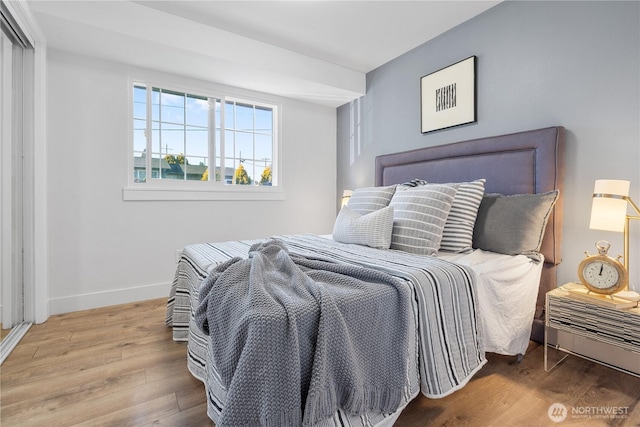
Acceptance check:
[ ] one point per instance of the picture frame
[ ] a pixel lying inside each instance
(448, 96)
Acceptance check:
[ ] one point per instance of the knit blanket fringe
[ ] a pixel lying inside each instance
(355, 402)
(326, 404)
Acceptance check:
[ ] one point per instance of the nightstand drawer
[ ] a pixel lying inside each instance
(597, 351)
(610, 325)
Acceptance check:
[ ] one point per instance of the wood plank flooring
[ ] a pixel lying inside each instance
(118, 366)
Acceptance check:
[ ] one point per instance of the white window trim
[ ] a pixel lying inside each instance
(174, 190)
(136, 193)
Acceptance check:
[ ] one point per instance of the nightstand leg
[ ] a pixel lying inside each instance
(546, 360)
(546, 348)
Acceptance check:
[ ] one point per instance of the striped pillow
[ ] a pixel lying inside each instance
(457, 235)
(416, 182)
(419, 215)
(373, 229)
(369, 199)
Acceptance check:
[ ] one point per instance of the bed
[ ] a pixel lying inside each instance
(458, 299)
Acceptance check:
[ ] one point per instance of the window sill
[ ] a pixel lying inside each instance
(150, 193)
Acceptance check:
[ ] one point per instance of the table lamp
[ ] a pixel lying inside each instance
(609, 210)
(346, 195)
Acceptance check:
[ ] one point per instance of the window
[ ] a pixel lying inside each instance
(211, 142)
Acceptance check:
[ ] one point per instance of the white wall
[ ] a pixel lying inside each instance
(103, 250)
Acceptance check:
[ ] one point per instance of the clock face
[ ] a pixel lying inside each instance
(600, 274)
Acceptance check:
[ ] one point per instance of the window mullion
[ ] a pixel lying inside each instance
(184, 136)
(235, 130)
(223, 141)
(253, 144)
(211, 140)
(160, 133)
(149, 141)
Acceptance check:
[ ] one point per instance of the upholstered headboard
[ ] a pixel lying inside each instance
(518, 163)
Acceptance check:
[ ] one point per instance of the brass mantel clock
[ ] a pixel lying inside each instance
(601, 273)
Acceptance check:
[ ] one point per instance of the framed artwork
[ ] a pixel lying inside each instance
(448, 96)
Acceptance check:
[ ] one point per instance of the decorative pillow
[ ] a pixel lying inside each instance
(416, 182)
(372, 229)
(513, 224)
(419, 216)
(369, 199)
(457, 235)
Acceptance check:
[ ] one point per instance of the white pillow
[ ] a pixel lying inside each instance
(372, 229)
(368, 199)
(419, 216)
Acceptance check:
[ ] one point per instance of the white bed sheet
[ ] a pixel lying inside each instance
(507, 291)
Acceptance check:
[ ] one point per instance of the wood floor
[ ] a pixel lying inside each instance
(4, 332)
(118, 366)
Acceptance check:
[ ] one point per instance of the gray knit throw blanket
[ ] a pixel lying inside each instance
(294, 338)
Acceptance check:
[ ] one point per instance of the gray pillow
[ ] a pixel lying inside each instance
(419, 215)
(368, 199)
(515, 224)
(372, 229)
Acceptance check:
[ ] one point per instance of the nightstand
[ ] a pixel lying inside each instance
(592, 328)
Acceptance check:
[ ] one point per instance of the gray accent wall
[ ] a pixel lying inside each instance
(575, 64)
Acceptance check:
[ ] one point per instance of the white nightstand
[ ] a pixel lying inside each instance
(592, 329)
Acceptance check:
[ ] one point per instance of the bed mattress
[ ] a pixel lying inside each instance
(502, 284)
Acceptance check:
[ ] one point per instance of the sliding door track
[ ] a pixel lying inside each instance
(10, 341)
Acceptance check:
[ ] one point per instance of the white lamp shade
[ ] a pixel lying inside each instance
(609, 213)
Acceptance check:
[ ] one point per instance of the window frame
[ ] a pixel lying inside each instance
(172, 189)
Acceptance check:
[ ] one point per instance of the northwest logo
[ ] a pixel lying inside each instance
(557, 412)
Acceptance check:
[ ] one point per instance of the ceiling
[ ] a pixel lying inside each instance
(316, 51)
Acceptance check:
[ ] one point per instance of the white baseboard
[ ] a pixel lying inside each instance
(106, 298)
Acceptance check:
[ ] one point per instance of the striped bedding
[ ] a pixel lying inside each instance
(448, 341)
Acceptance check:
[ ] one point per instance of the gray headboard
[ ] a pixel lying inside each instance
(518, 163)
